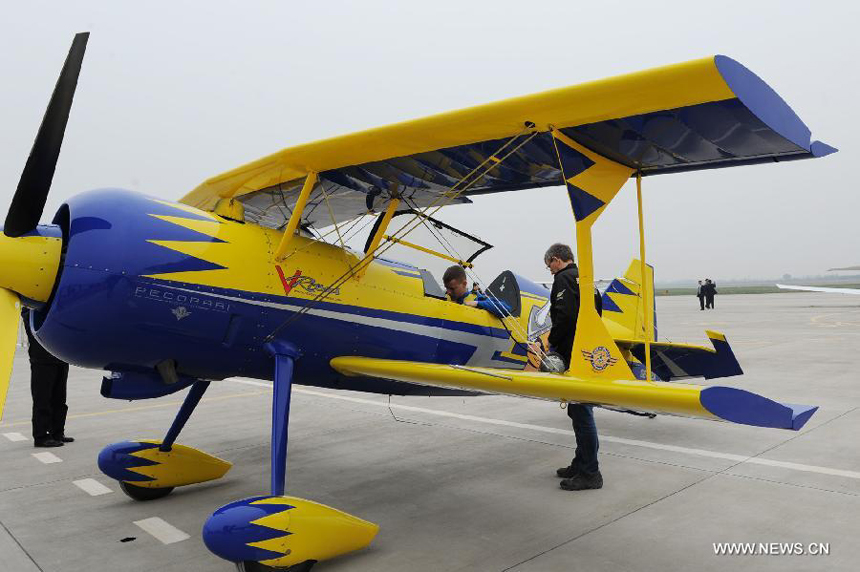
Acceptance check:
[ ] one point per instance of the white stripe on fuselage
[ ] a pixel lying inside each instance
(486, 345)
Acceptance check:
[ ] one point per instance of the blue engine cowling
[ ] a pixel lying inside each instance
(104, 312)
(108, 312)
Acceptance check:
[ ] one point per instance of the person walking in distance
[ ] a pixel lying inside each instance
(710, 292)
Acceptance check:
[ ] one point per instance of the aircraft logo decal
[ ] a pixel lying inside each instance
(180, 312)
(306, 283)
(288, 282)
(600, 358)
(539, 320)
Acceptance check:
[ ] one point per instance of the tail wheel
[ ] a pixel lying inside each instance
(144, 493)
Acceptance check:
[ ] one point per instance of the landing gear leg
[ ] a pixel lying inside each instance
(276, 532)
(188, 406)
(285, 356)
(191, 466)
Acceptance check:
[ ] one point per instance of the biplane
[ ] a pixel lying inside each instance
(237, 279)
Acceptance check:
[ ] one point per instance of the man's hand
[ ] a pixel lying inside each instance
(471, 303)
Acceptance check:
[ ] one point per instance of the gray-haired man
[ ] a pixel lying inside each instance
(583, 472)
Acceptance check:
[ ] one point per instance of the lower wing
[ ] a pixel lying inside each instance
(717, 403)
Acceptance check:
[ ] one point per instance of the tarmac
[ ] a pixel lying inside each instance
(469, 483)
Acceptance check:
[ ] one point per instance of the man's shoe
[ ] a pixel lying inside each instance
(567, 472)
(582, 481)
(47, 442)
(64, 439)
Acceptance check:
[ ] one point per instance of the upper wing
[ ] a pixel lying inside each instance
(724, 403)
(706, 113)
(820, 289)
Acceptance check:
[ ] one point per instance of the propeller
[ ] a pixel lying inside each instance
(28, 260)
(10, 317)
(32, 193)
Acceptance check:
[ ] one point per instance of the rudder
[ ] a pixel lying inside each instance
(623, 310)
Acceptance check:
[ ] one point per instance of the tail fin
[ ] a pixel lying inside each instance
(623, 308)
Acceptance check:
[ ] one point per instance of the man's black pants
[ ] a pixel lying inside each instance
(585, 458)
(48, 387)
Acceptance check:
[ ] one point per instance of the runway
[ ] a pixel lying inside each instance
(468, 483)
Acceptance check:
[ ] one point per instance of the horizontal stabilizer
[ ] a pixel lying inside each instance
(722, 403)
(681, 361)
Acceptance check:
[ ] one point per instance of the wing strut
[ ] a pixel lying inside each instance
(646, 296)
(293, 223)
(592, 182)
(383, 226)
(377, 236)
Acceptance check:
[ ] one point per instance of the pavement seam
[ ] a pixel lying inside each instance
(714, 472)
(21, 546)
(796, 485)
(811, 429)
(605, 524)
(682, 489)
(137, 408)
(217, 453)
(625, 441)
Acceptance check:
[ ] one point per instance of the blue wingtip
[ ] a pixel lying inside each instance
(747, 408)
(801, 414)
(819, 149)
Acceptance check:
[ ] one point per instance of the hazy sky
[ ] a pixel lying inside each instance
(172, 93)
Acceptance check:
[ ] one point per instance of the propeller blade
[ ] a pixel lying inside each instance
(10, 317)
(32, 193)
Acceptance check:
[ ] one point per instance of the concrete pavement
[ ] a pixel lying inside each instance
(468, 483)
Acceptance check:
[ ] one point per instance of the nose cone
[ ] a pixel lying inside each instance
(29, 263)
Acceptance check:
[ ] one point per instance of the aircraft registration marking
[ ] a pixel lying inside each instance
(193, 299)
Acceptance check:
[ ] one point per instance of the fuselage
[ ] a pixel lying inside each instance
(142, 281)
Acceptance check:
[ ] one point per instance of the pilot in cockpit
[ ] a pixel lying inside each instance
(457, 288)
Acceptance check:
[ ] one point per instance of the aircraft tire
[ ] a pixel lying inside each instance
(142, 493)
(250, 566)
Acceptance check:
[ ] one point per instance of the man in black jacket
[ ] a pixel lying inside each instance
(583, 472)
(710, 290)
(48, 376)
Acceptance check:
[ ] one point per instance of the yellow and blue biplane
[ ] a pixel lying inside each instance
(231, 281)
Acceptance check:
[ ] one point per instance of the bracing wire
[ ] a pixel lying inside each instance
(475, 174)
(473, 273)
